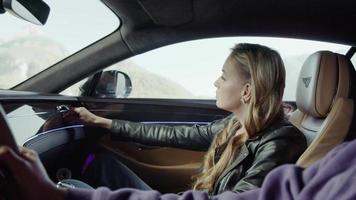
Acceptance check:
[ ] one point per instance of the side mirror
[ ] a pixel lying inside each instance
(112, 84)
(34, 11)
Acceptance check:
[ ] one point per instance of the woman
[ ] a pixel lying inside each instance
(241, 148)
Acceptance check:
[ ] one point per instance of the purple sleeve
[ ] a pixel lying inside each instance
(134, 194)
(283, 183)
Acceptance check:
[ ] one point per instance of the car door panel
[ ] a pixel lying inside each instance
(158, 166)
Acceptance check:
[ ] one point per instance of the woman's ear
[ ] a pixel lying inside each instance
(246, 92)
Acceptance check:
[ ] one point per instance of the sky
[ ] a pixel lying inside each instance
(65, 22)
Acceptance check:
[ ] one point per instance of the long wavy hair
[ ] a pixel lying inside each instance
(264, 69)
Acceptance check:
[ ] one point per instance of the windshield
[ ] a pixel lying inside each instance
(26, 49)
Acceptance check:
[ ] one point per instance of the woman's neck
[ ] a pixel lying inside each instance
(241, 117)
(241, 114)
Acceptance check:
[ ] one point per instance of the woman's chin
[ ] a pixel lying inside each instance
(222, 106)
(218, 105)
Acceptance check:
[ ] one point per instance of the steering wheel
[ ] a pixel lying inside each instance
(6, 138)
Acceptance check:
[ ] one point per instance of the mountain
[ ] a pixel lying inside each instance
(23, 57)
(146, 84)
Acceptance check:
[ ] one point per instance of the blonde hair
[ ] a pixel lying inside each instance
(264, 69)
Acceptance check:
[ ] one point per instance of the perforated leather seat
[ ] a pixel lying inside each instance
(324, 107)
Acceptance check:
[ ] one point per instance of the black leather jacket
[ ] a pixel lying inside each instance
(280, 143)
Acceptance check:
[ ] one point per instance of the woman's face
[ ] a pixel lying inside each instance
(230, 86)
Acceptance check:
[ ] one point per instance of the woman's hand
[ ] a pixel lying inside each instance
(85, 116)
(30, 180)
(88, 118)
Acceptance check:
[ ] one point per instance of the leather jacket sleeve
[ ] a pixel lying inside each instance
(282, 146)
(194, 137)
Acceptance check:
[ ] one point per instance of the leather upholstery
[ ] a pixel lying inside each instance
(277, 144)
(323, 78)
(324, 107)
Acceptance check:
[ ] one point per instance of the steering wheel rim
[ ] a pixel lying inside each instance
(6, 136)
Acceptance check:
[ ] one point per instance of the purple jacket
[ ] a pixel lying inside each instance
(333, 177)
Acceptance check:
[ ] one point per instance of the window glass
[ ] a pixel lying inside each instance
(188, 70)
(26, 49)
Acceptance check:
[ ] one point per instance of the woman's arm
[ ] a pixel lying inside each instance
(194, 137)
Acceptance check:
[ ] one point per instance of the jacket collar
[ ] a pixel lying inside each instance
(244, 152)
(273, 126)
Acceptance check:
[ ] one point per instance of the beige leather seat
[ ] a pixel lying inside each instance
(324, 107)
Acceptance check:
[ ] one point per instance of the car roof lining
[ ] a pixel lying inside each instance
(145, 25)
(167, 11)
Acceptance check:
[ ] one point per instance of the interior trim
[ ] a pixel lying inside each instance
(51, 139)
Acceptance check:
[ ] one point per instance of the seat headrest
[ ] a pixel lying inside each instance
(324, 77)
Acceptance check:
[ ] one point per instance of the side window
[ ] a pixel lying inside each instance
(181, 71)
(188, 70)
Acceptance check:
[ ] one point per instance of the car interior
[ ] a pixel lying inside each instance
(325, 89)
(325, 103)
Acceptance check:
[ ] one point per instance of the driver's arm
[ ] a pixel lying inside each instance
(196, 137)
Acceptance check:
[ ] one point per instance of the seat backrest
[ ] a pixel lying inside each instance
(324, 107)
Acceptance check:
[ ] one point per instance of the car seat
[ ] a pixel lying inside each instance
(324, 105)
